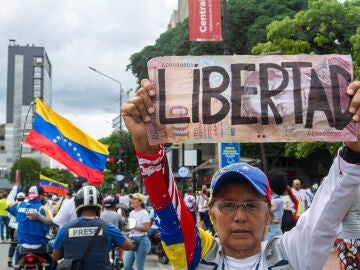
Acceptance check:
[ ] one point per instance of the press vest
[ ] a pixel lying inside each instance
(78, 235)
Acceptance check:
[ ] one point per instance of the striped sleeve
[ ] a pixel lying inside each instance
(179, 234)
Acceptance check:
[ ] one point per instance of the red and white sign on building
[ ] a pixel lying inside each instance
(205, 20)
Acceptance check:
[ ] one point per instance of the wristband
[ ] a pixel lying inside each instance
(349, 155)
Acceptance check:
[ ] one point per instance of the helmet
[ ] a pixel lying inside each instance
(87, 197)
(79, 182)
(109, 201)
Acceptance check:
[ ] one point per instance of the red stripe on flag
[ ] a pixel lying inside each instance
(56, 190)
(51, 149)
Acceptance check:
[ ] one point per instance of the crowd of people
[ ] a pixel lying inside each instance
(241, 209)
(243, 219)
(40, 222)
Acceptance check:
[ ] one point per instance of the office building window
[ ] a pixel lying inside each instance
(37, 72)
(37, 87)
(38, 61)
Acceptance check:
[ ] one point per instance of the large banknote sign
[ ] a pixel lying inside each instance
(251, 99)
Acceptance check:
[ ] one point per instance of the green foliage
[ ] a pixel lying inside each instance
(108, 182)
(289, 27)
(327, 26)
(302, 150)
(247, 21)
(126, 165)
(61, 175)
(355, 42)
(29, 172)
(253, 150)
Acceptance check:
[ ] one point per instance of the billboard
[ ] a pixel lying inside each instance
(205, 20)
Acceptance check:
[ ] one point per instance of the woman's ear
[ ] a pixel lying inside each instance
(269, 216)
(212, 218)
(211, 214)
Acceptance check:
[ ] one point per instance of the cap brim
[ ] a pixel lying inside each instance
(236, 178)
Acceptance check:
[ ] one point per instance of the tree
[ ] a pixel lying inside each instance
(289, 27)
(247, 21)
(29, 172)
(126, 165)
(326, 27)
(61, 175)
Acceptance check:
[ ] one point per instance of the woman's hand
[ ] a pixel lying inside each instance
(354, 91)
(137, 112)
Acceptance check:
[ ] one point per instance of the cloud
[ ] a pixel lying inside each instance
(77, 34)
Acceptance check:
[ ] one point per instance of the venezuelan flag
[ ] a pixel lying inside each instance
(58, 138)
(53, 186)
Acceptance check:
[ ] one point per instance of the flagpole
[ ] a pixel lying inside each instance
(18, 178)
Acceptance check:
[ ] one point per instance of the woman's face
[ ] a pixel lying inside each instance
(135, 203)
(240, 231)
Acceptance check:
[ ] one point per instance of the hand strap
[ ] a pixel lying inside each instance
(92, 240)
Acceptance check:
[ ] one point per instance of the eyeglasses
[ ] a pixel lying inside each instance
(229, 207)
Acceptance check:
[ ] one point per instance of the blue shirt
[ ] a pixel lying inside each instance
(31, 232)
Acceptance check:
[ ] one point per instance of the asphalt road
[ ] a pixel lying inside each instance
(152, 261)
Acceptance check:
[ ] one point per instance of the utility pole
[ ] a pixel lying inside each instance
(120, 118)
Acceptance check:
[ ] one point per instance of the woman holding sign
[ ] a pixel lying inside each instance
(240, 205)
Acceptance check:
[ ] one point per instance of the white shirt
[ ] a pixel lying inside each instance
(66, 212)
(244, 264)
(49, 205)
(314, 234)
(301, 195)
(141, 217)
(201, 204)
(189, 201)
(124, 201)
(287, 202)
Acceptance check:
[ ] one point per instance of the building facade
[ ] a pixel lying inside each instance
(179, 14)
(29, 75)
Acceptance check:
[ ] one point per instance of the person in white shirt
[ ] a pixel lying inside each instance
(301, 195)
(240, 203)
(67, 211)
(138, 234)
(190, 202)
(203, 209)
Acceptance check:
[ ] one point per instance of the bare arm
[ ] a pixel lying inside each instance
(37, 216)
(57, 254)
(144, 228)
(127, 245)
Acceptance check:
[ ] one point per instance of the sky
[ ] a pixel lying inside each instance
(77, 34)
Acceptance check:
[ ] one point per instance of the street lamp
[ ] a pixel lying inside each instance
(120, 118)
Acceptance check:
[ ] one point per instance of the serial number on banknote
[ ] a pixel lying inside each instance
(179, 65)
